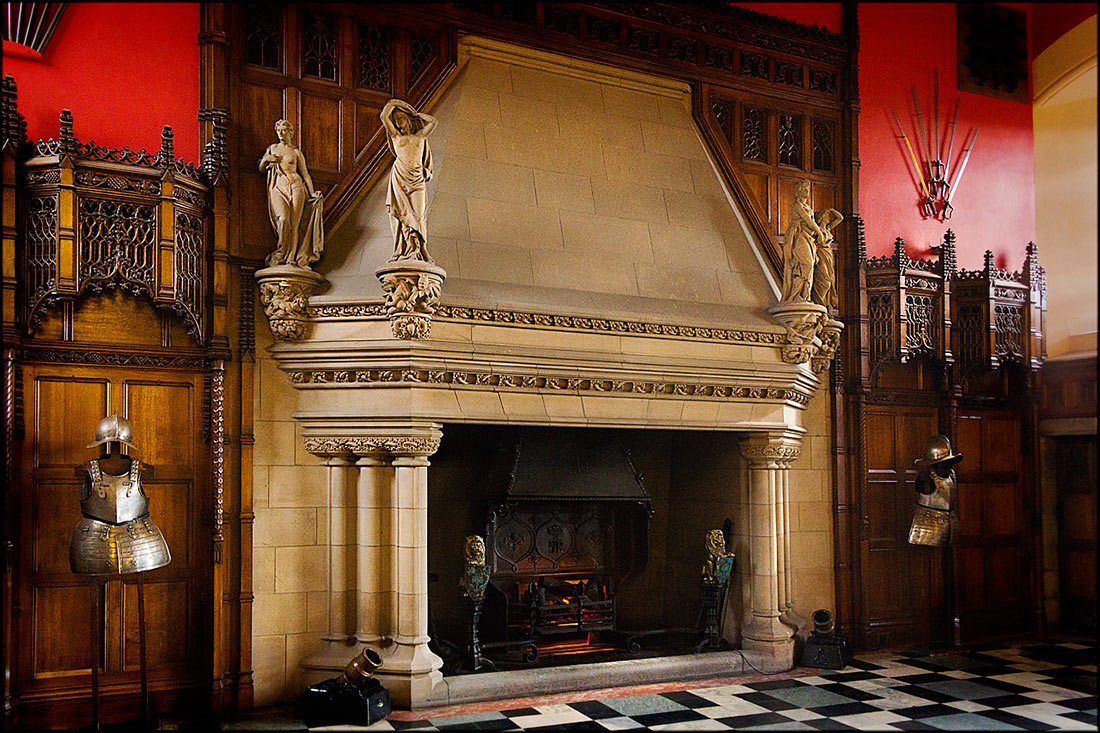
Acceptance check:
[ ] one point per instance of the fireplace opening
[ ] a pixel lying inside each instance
(594, 542)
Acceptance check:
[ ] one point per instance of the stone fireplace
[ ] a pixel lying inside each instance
(599, 276)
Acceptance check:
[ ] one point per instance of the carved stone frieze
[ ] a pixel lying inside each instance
(399, 445)
(531, 382)
(552, 320)
(284, 294)
(412, 290)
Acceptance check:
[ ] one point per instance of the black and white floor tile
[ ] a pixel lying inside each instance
(1029, 686)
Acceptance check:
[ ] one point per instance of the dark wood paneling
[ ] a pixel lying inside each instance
(998, 540)
(1075, 474)
(165, 409)
(897, 613)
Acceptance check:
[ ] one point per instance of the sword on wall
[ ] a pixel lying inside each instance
(947, 207)
(930, 191)
(936, 167)
(928, 206)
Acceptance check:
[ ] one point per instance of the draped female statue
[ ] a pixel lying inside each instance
(295, 218)
(798, 247)
(407, 131)
(824, 285)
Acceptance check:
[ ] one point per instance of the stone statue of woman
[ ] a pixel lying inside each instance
(295, 218)
(798, 247)
(824, 286)
(407, 133)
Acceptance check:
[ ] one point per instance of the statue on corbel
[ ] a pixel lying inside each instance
(295, 210)
(809, 295)
(410, 280)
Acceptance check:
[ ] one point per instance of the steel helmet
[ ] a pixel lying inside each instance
(113, 429)
(938, 450)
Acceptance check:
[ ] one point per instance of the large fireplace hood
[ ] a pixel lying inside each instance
(555, 464)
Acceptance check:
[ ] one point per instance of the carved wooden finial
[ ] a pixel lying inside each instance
(215, 154)
(14, 128)
(948, 261)
(167, 146)
(899, 253)
(68, 140)
(1032, 270)
(861, 240)
(988, 262)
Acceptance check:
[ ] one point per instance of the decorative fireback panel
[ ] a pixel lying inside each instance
(551, 538)
(98, 217)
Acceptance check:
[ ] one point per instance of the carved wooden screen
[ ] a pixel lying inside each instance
(63, 404)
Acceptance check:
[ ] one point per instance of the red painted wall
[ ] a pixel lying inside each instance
(124, 69)
(1051, 21)
(900, 45)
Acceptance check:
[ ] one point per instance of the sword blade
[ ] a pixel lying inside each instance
(951, 142)
(962, 166)
(920, 126)
(936, 111)
(912, 155)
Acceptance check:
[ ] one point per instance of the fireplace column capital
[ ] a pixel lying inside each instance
(399, 446)
(771, 450)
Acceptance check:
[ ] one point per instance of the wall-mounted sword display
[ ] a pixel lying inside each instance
(933, 177)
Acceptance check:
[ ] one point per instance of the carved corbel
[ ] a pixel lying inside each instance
(284, 294)
(412, 290)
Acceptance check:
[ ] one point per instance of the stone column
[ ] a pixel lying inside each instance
(409, 669)
(767, 641)
(374, 508)
(789, 615)
(338, 642)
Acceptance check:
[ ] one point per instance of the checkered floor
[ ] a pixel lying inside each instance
(1040, 686)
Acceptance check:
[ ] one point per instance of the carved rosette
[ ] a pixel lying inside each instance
(812, 336)
(412, 290)
(284, 294)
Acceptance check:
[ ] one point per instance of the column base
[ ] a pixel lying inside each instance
(768, 644)
(328, 661)
(410, 672)
(796, 621)
(768, 657)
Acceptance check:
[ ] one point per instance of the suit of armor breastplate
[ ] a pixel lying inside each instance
(935, 522)
(115, 535)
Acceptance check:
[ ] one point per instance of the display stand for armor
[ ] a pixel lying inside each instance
(115, 536)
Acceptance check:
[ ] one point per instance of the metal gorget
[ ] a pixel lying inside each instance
(115, 535)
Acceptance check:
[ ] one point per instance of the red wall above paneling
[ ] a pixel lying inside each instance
(900, 45)
(124, 69)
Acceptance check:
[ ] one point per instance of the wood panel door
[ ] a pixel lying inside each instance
(996, 551)
(1075, 472)
(903, 600)
(165, 409)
